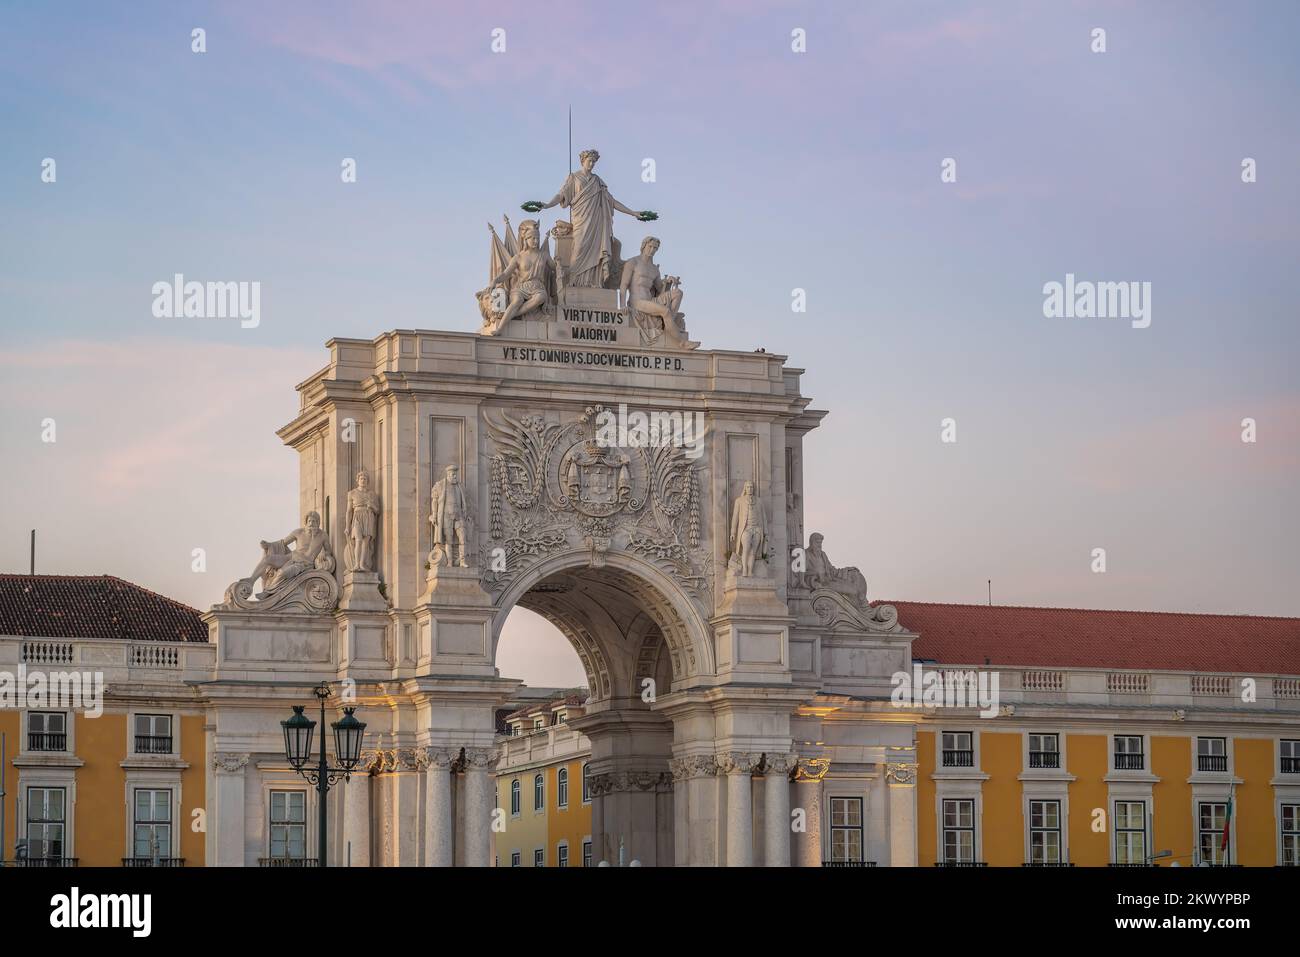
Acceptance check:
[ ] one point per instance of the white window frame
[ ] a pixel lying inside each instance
(539, 857)
(516, 797)
(539, 792)
(562, 854)
(1282, 804)
(169, 849)
(516, 858)
(1294, 743)
(270, 823)
(1057, 748)
(1196, 757)
(974, 750)
(69, 745)
(1115, 828)
(134, 755)
(1146, 754)
(586, 785)
(1217, 832)
(586, 851)
(562, 788)
(1059, 830)
(861, 827)
(974, 828)
(25, 790)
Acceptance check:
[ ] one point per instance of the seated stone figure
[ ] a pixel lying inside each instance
(281, 564)
(820, 573)
(654, 300)
(526, 277)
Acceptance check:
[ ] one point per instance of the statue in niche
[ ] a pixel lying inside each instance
(525, 281)
(820, 573)
(449, 515)
(361, 524)
(652, 300)
(748, 538)
(280, 563)
(591, 213)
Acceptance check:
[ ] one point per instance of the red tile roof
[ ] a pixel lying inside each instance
(93, 606)
(1084, 638)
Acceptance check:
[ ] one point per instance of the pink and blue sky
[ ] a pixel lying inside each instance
(775, 171)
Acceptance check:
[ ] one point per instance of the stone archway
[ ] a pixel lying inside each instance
(638, 638)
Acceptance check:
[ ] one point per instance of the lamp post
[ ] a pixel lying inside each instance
(348, 732)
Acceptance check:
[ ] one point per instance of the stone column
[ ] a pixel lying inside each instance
(808, 792)
(228, 822)
(776, 811)
(902, 814)
(680, 768)
(738, 767)
(439, 826)
(356, 812)
(479, 763)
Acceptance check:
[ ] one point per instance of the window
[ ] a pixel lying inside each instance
(539, 724)
(846, 829)
(1211, 754)
(586, 790)
(539, 792)
(1130, 832)
(1212, 818)
(586, 853)
(1044, 751)
(46, 814)
(539, 857)
(1045, 832)
(1291, 835)
(1128, 752)
(47, 731)
(562, 788)
(562, 855)
(1290, 757)
(289, 824)
(958, 831)
(562, 718)
(514, 797)
(153, 734)
(152, 831)
(514, 859)
(957, 751)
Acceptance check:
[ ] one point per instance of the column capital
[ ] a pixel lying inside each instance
(481, 759)
(777, 764)
(230, 762)
(372, 762)
(693, 766)
(439, 758)
(738, 762)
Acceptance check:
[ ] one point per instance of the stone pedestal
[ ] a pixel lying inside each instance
(361, 592)
(752, 631)
(455, 623)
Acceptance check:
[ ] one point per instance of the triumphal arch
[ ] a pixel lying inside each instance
(582, 456)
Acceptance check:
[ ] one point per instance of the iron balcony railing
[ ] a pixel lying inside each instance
(961, 864)
(1291, 765)
(47, 741)
(45, 862)
(1211, 762)
(1128, 762)
(1047, 864)
(848, 863)
(153, 862)
(288, 862)
(1044, 759)
(958, 759)
(153, 744)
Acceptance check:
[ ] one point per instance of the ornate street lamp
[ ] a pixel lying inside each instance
(348, 733)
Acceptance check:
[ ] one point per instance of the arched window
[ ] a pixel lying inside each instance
(514, 796)
(586, 790)
(539, 792)
(562, 788)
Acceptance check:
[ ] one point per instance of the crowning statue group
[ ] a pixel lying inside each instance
(526, 281)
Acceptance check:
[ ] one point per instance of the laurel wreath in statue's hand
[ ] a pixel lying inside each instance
(647, 216)
(533, 206)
